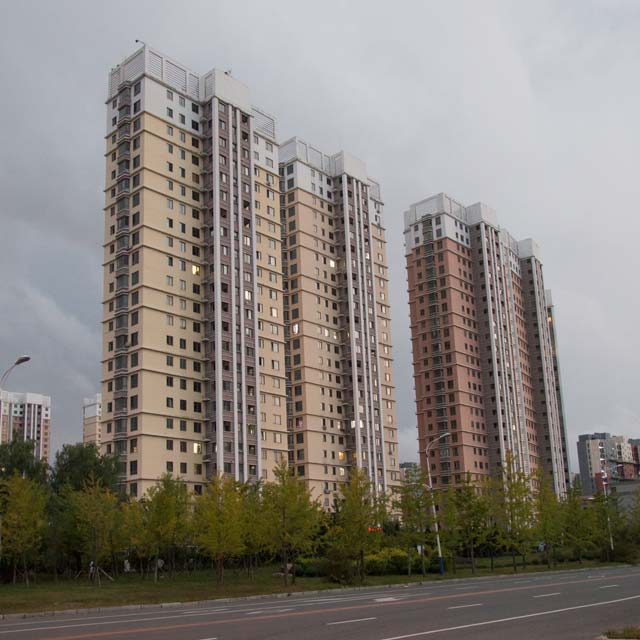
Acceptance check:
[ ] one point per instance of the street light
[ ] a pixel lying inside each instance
(3, 378)
(19, 361)
(433, 502)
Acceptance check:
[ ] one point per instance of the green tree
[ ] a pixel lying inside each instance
(218, 522)
(577, 523)
(514, 510)
(413, 502)
(168, 518)
(449, 521)
(77, 464)
(472, 509)
(548, 529)
(291, 517)
(96, 511)
(255, 535)
(136, 532)
(358, 516)
(609, 524)
(23, 522)
(18, 458)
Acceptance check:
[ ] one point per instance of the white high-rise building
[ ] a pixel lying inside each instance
(91, 417)
(26, 416)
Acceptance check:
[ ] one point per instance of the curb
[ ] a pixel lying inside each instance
(266, 596)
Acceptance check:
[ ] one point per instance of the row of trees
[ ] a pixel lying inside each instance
(71, 519)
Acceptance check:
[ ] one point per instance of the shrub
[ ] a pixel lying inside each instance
(311, 567)
(376, 564)
(398, 561)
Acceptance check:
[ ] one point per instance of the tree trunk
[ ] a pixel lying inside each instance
(409, 562)
(491, 557)
(285, 561)
(361, 566)
(219, 570)
(24, 568)
(424, 562)
(155, 570)
(513, 560)
(473, 558)
(114, 563)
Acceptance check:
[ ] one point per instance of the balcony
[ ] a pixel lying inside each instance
(121, 331)
(120, 393)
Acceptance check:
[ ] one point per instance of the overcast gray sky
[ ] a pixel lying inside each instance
(529, 107)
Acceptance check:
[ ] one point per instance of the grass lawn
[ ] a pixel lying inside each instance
(627, 632)
(47, 595)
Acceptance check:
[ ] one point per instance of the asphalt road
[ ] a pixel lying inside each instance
(567, 605)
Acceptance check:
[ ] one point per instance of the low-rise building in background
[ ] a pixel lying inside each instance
(606, 460)
(26, 416)
(91, 415)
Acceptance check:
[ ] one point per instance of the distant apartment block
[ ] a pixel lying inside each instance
(407, 469)
(339, 359)
(484, 346)
(26, 416)
(91, 419)
(605, 460)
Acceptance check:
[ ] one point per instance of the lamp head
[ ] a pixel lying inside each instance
(22, 360)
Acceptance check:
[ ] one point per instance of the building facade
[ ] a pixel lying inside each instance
(606, 460)
(483, 352)
(26, 416)
(91, 420)
(341, 394)
(193, 372)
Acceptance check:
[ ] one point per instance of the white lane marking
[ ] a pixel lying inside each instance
(522, 617)
(609, 586)
(209, 638)
(385, 599)
(96, 624)
(465, 606)
(254, 613)
(184, 613)
(74, 616)
(547, 595)
(350, 621)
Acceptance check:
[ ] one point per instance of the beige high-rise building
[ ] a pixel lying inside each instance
(193, 369)
(338, 320)
(26, 416)
(91, 420)
(484, 346)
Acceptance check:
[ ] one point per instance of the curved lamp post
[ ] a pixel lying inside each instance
(19, 361)
(3, 379)
(433, 501)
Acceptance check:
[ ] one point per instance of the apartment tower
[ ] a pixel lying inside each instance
(193, 369)
(26, 416)
(340, 385)
(92, 420)
(484, 355)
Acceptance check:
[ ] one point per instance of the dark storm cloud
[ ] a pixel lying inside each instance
(531, 109)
